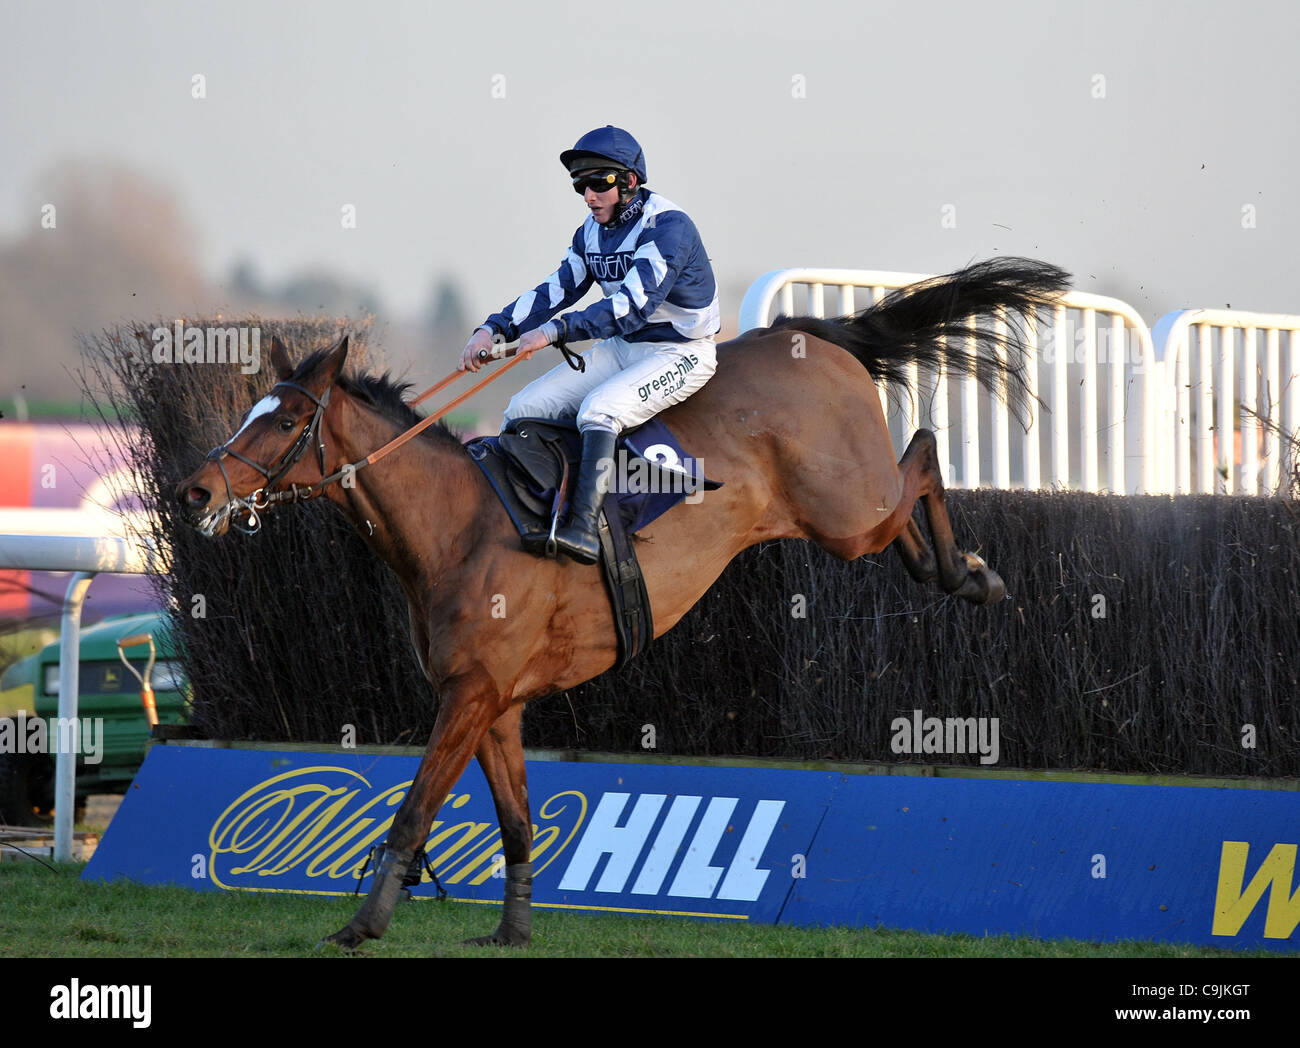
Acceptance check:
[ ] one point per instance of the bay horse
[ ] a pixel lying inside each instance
(791, 423)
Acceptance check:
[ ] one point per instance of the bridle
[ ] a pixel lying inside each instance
(260, 499)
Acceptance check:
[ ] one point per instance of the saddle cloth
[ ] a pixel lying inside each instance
(533, 466)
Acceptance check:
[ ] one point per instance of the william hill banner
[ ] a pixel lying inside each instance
(1079, 860)
(699, 842)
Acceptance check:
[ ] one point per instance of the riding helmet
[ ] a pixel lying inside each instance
(606, 146)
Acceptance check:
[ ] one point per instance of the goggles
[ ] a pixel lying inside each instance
(600, 181)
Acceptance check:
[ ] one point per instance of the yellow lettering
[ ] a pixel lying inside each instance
(262, 821)
(1232, 905)
(350, 862)
(549, 811)
(471, 830)
(542, 840)
(290, 845)
(476, 862)
(297, 819)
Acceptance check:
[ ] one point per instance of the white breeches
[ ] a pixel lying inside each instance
(625, 384)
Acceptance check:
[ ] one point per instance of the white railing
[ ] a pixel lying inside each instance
(84, 520)
(85, 556)
(1220, 383)
(1091, 364)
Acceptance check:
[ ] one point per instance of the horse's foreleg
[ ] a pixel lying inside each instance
(465, 716)
(501, 756)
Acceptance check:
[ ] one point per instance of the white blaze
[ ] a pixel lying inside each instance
(263, 407)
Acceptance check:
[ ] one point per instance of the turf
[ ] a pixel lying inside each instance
(51, 913)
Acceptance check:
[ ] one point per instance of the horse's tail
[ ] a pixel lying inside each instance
(908, 324)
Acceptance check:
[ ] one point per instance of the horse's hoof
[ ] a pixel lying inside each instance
(983, 585)
(346, 939)
(500, 937)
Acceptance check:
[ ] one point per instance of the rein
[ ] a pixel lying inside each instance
(261, 500)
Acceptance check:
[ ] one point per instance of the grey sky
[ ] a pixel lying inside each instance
(389, 106)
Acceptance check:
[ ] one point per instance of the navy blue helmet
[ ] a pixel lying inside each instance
(604, 147)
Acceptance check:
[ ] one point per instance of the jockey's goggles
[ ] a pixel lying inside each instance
(600, 181)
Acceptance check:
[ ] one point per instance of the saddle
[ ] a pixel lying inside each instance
(532, 466)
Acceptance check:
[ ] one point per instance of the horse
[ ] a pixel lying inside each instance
(791, 423)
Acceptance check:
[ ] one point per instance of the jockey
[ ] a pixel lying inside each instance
(654, 329)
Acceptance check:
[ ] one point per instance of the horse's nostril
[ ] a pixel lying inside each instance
(197, 498)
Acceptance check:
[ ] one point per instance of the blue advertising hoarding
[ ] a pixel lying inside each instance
(1091, 861)
(608, 837)
(1049, 859)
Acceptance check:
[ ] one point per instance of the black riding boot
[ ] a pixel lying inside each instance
(578, 538)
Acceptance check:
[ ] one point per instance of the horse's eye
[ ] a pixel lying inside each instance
(285, 425)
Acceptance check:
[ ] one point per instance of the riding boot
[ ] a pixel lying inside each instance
(579, 537)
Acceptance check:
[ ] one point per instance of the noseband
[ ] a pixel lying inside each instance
(257, 500)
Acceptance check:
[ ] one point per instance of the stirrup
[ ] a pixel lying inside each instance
(537, 542)
(552, 548)
(571, 548)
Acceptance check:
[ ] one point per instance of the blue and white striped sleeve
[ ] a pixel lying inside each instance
(665, 249)
(562, 288)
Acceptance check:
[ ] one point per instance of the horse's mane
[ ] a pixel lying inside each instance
(386, 395)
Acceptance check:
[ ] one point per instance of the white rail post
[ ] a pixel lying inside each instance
(1033, 464)
(1061, 400)
(1272, 439)
(1116, 444)
(998, 407)
(1291, 395)
(1089, 409)
(877, 293)
(65, 765)
(1227, 389)
(1249, 439)
(970, 419)
(817, 300)
(939, 414)
(1205, 413)
(1183, 422)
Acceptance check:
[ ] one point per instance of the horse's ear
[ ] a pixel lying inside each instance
(280, 359)
(332, 365)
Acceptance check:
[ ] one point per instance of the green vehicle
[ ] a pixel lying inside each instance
(114, 725)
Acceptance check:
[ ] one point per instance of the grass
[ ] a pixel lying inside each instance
(50, 913)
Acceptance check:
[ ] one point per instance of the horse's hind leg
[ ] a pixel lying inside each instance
(964, 574)
(501, 757)
(915, 553)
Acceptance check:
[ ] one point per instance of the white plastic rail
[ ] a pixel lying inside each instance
(1234, 388)
(1128, 374)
